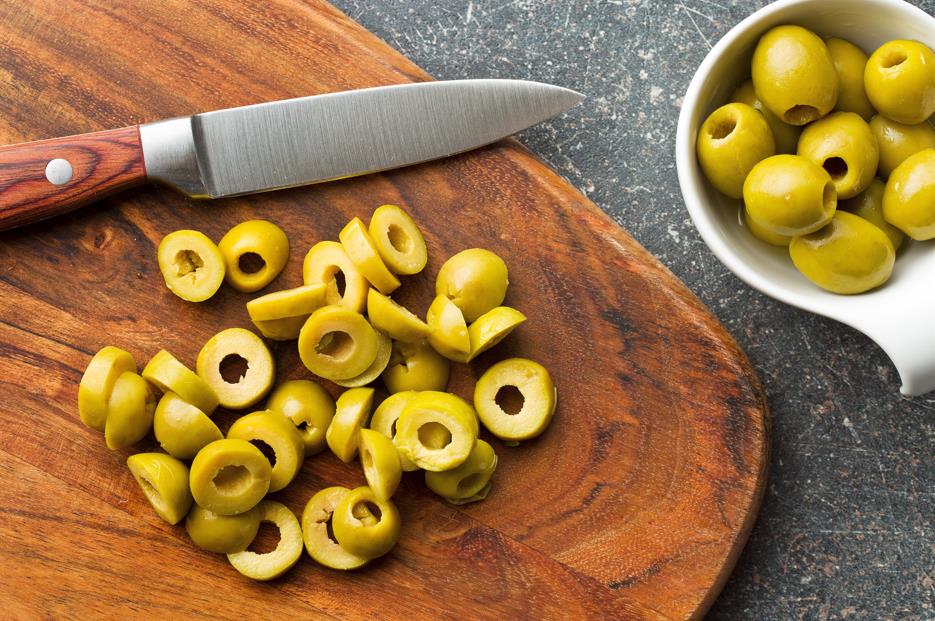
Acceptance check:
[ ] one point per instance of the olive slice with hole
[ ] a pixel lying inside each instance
(362, 252)
(238, 366)
(164, 481)
(98, 382)
(308, 406)
(254, 253)
(279, 560)
(351, 413)
(398, 240)
(366, 538)
(222, 534)
(191, 264)
(436, 430)
(328, 264)
(279, 440)
(318, 533)
(169, 375)
(384, 349)
(515, 399)
(397, 321)
(129, 411)
(229, 476)
(468, 479)
(182, 429)
(380, 461)
(337, 343)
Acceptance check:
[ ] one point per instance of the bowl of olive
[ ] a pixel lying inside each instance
(806, 157)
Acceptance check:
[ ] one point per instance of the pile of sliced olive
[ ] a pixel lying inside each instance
(832, 153)
(349, 332)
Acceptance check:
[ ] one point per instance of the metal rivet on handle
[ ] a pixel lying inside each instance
(58, 171)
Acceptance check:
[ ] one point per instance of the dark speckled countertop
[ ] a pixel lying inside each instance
(846, 529)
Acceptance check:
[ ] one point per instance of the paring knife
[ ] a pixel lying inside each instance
(273, 145)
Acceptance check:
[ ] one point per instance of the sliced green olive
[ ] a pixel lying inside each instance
(280, 315)
(436, 431)
(182, 429)
(481, 495)
(351, 411)
(272, 564)
(129, 411)
(238, 366)
(308, 406)
(170, 375)
(449, 332)
(254, 252)
(223, 534)
(468, 479)
(322, 265)
(398, 240)
(395, 320)
(164, 481)
(282, 438)
(384, 349)
(416, 366)
(361, 538)
(380, 461)
(492, 327)
(385, 417)
(229, 476)
(360, 248)
(515, 416)
(316, 520)
(337, 343)
(475, 280)
(191, 265)
(98, 382)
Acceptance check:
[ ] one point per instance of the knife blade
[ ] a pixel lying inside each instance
(273, 145)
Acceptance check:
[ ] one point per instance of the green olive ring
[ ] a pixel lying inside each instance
(287, 552)
(481, 495)
(538, 392)
(363, 253)
(337, 343)
(308, 406)
(358, 537)
(468, 479)
(280, 315)
(398, 240)
(169, 375)
(448, 330)
(129, 411)
(397, 321)
(316, 519)
(191, 264)
(381, 463)
(491, 328)
(222, 534)
(182, 429)
(475, 279)
(97, 383)
(384, 349)
(280, 435)
(416, 366)
(164, 481)
(385, 417)
(436, 431)
(231, 346)
(229, 476)
(351, 412)
(321, 266)
(256, 244)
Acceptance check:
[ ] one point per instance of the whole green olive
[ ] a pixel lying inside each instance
(786, 136)
(475, 280)
(794, 75)
(730, 143)
(843, 145)
(898, 141)
(869, 206)
(850, 62)
(909, 198)
(847, 256)
(789, 195)
(900, 81)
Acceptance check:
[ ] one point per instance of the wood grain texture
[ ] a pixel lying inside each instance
(102, 163)
(633, 505)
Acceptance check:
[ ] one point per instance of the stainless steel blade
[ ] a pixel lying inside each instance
(320, 138)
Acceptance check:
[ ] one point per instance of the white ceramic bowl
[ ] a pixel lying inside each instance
(900, 316)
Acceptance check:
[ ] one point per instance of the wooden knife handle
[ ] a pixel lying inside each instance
(49, 177)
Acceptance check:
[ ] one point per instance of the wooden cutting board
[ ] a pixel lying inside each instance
(634, 504)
